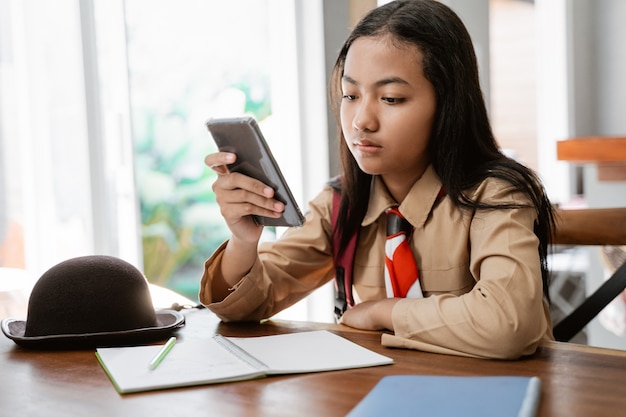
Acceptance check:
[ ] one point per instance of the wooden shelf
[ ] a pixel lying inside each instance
(592, 149)
(608, 152)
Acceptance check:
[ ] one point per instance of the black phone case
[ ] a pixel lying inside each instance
(242, 136)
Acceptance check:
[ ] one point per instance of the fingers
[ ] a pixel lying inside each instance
(239, 195)
(218, 161)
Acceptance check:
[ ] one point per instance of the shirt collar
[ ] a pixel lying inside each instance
(416, 206)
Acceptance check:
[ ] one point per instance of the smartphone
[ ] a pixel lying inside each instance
(242, 136)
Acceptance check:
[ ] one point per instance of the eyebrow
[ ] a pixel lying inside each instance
(379, 83)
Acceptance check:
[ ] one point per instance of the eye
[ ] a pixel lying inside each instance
(349, 97)
(393, 100)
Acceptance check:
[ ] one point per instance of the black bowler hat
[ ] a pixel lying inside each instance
(88, 302)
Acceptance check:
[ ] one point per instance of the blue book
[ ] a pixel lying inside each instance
(449, 396)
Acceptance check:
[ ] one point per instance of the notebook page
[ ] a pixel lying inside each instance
(311, 351)
(188, 363)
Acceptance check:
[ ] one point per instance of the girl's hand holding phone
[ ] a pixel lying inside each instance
(240, 197)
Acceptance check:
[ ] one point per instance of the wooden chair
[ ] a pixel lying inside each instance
(598, 227)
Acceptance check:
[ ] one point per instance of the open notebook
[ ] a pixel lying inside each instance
(226, 359)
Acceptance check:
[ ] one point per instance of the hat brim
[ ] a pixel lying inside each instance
(168, 321)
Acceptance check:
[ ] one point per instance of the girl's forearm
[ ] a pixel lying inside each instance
(239, 257)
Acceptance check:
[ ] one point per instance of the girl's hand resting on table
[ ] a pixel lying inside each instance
(240, 197)
(370, 315)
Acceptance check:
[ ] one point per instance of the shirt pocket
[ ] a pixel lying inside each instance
(456, 281)
(443, 248)
(369, 265)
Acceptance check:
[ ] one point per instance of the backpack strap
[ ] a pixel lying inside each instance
(343, 264)
(573, 323)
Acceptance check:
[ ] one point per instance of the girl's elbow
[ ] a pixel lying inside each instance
(515, 340)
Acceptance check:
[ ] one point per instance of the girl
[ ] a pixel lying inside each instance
(415, 136)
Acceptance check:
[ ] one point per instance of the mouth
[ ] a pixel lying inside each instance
(363, 142)
(366, 146)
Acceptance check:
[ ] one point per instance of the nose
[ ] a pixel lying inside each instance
(365, 118)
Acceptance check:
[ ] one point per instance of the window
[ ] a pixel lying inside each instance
(45, 186)
(189, 61)
(103, 107)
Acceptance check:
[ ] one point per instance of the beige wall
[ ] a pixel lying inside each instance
(513, 78)
(358, 8)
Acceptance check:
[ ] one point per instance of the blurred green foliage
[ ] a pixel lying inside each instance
(189, 61)
(181, 222)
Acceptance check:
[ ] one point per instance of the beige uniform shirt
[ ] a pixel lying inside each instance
(479, 271)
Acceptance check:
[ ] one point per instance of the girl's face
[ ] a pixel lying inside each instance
(387, 110)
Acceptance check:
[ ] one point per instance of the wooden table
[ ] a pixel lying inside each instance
(577, 380)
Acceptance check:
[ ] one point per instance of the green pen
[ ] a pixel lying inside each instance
(162, 353)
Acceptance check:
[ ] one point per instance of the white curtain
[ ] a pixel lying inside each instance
(66, 166)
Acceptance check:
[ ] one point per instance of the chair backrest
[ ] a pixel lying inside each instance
(606, 226)
(599, 227)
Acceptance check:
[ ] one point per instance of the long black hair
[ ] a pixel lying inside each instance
(462, 146)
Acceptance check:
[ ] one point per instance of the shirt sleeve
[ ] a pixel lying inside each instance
(505, 315)
(285, 271)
